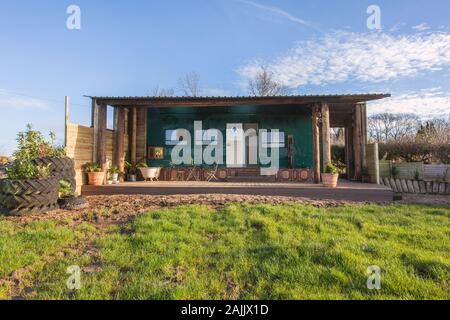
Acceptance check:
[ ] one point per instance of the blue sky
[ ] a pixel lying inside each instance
(129, 48)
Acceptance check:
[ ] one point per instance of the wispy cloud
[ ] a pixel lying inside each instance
(215, 92)
(366, 57)
(427, 103)
(421, 27)
(276, 11)
(12, 100)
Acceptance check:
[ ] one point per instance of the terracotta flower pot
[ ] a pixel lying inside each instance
(96, 178)
(329, 180)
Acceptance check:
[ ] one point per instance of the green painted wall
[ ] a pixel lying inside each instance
(295, 120)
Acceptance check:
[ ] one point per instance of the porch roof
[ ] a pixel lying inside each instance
(183, 101)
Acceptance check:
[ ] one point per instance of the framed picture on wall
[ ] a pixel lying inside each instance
(155, 153)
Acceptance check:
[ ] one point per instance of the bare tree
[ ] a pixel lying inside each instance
(337, 136)
(385, 127)
(190, 84)
(161, 92)
(435, 131)
(264, 84)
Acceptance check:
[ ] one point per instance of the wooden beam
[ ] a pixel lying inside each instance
(101, 137)
(316, 143)
(133, 136)
(119, 154)
(326, 139)
(160, 102)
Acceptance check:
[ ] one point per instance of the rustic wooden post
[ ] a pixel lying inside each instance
(326, 134)
(66, 121)
(133, 135)
(316, 143)
(118, 157)
(101, 137)
(363, 107)
(357, 142)
(349, 151)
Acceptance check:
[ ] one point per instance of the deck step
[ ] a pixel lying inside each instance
(250, 178)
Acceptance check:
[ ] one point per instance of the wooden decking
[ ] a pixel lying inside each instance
(347, 191)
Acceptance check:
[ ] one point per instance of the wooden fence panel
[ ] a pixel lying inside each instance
(80, 147)
(437, 172)
(408, 170)
(385, 168)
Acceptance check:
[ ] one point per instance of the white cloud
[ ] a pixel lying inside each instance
(426, 103)
(215, 92)
(15, 101)
(364, 57)
(276, 11)
(421, 27)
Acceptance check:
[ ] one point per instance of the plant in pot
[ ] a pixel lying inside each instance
(114, 173)
(131, 171)
(149, 173)
(96, 175)
(28, 188)
(68, 200)
(330, 176)
(33, 146)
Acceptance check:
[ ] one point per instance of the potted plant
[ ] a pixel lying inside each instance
(68, 200)
(96, 176)
(149, 173)
(114, 173)
(33, 146)
(28, 188)
(131, 171)
(330, 176)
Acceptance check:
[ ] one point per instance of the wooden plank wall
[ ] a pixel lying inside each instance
(435, 172)
(80, 147)
(141, 140)
(385, 168)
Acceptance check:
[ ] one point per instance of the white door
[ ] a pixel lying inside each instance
(235, 150)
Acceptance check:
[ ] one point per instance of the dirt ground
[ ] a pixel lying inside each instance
(104, 210)
(425, 199)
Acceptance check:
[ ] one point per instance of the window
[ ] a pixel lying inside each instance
(206, 137)
(273, 139)
(174, 137)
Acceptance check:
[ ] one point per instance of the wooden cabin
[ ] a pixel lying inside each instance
(142, 126)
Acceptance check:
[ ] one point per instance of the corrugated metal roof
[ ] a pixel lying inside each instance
(189, 98)
(216, 101)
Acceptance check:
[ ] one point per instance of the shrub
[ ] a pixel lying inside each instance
(142, 165)
(26, 170)
(32, 145)
(92, 167)
(394, 172)
(130, 168)
(65, 189)
(114, 170)
(331, 168)
(413, 151)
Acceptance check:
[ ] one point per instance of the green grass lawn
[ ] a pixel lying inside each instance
(241, 252)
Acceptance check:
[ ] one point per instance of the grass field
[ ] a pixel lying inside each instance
(236, 252)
